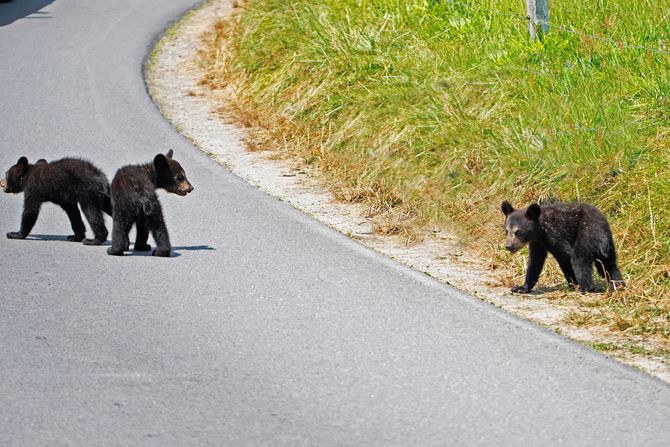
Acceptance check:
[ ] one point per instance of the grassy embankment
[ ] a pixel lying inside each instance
(431, 113)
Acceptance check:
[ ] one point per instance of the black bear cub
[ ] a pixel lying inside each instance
(135, 201)
(68, 182)
(577, 235)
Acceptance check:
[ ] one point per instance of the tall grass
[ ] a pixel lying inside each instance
(433, 112)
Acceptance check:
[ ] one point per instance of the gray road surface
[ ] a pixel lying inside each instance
(266, 328)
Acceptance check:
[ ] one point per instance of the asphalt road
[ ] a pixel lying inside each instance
(265, 328)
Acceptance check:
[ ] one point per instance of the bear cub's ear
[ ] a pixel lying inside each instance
(506, 208)
(169, 154)
(23, 164)
(533, 212)
(160, 162)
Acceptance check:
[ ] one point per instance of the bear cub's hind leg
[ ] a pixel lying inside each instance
(608, 270)
(120, 229)
(142, 235)
(583, 269)
(94, 216)
(160, 234)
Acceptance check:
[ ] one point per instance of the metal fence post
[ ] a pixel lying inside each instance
(538, 17)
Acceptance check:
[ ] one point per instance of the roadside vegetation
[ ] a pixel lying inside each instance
(433, 112)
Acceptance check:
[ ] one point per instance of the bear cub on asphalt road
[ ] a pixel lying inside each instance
(135, 201)
(66, 182)
(577, 235)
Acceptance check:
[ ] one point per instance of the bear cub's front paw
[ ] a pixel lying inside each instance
(114, 252)
(94, 241)
(15, 235)
(74, 238)
(521, 289)
(162, 252)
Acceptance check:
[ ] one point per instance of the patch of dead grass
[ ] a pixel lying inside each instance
(625, 313)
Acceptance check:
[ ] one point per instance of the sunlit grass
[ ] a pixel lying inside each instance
(433, 112)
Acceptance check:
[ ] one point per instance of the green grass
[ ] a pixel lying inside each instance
(438, 111)
(604, 347)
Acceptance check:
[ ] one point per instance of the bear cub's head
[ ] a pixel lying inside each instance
(170, 175)
(522, 226)
(15, 178)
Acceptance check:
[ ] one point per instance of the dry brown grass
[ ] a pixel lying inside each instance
(297, 140)
(642, 309)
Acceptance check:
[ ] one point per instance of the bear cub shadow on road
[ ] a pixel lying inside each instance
(11, 11)
(175, 250)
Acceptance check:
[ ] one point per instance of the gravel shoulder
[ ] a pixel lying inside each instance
(173, 78)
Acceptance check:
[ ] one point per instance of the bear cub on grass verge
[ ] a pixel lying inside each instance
(66, 182)
(577, 235)
(135, 201)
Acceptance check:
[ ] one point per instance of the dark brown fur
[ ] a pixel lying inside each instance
(69, 183)
(577, 235)
(135, 201)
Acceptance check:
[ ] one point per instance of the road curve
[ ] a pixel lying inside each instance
(265, 328)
